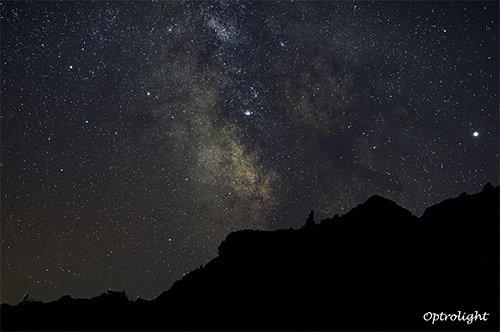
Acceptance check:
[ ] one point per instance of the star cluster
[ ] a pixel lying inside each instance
(137, 135)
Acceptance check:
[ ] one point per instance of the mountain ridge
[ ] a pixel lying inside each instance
(322, 277)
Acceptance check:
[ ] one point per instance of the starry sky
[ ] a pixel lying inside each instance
(136, 135)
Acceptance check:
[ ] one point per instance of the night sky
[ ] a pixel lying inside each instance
(137, 135)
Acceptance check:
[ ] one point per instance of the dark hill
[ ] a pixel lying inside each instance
(376, 268)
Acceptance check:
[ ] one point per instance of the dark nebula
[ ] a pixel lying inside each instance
(137, 135)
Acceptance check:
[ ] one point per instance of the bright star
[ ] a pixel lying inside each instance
(476, 134)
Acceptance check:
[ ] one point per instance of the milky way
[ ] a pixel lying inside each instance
(136, 136)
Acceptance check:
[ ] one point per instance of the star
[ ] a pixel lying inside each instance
(475, 134)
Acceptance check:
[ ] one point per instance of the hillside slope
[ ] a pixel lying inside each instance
(376, 268)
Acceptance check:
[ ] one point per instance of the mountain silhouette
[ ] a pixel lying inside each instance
(378, 267)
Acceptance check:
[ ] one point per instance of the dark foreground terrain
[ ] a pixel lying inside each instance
(376, 268)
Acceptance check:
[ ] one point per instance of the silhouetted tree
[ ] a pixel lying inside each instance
(488, 187)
